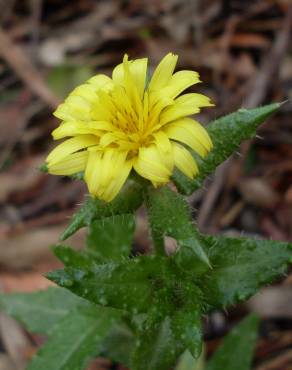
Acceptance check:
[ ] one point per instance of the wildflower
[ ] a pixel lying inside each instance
(118, 124)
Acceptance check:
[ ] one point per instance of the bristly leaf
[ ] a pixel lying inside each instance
(72, 258)
(76, 339)
(237, 348)
(241, 266)
(188, 362)
(130, 285)
(169, 215)
(169, 331)
(156, 348)
(110, 239)
(128, 200)
(226, 133)
(47, 312)
(40, 311)
(118, 345)
(150, 285)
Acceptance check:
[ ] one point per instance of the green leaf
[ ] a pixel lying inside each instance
(108, 239)
(128, 285)
(188, 362)
(111, 238)
(128, 200)
(237, 348)
(226, 133)
(73, 258)
(75, 339)
(153, 286)
(169, 214)
(155, 348)
(241, 266)
(119, 344)
(167, 333)
(39, 311)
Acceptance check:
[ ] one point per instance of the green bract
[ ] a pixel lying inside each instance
(146, 311)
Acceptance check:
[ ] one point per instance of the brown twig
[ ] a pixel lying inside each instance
(279, 362)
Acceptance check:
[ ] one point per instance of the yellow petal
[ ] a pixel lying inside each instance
(162, 142)
(87, 92)
(101, 82)
(138, 71)
(74, 128)
(74, 108)
(185, 105)
(102, 110)
(163, 72)
(184, 161)
(191, 133)
(122, 173)
(131, 84)
(151, 165)
(71, 146)
(69, 165)
(71, 128)
(107, 139)
(164, 147)
(106, 172)
(179, 82)
(156, 105)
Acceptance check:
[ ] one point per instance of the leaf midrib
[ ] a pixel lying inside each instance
(45, 309)
(76, 345)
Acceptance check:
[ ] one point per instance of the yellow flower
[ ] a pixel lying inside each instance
(118, 124)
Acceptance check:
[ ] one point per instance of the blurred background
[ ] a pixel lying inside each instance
(243, 52)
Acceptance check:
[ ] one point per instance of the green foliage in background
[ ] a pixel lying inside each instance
(146, 311)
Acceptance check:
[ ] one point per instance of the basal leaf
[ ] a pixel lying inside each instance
(237, 348)
(75, 339)
(128, 200)
(241, 266)
(40, 311)
(111, 238)
(226, 133)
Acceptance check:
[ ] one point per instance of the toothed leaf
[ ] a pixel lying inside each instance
(240, 267)
(226, 133)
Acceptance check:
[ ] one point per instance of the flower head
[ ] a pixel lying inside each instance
(122, 123)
